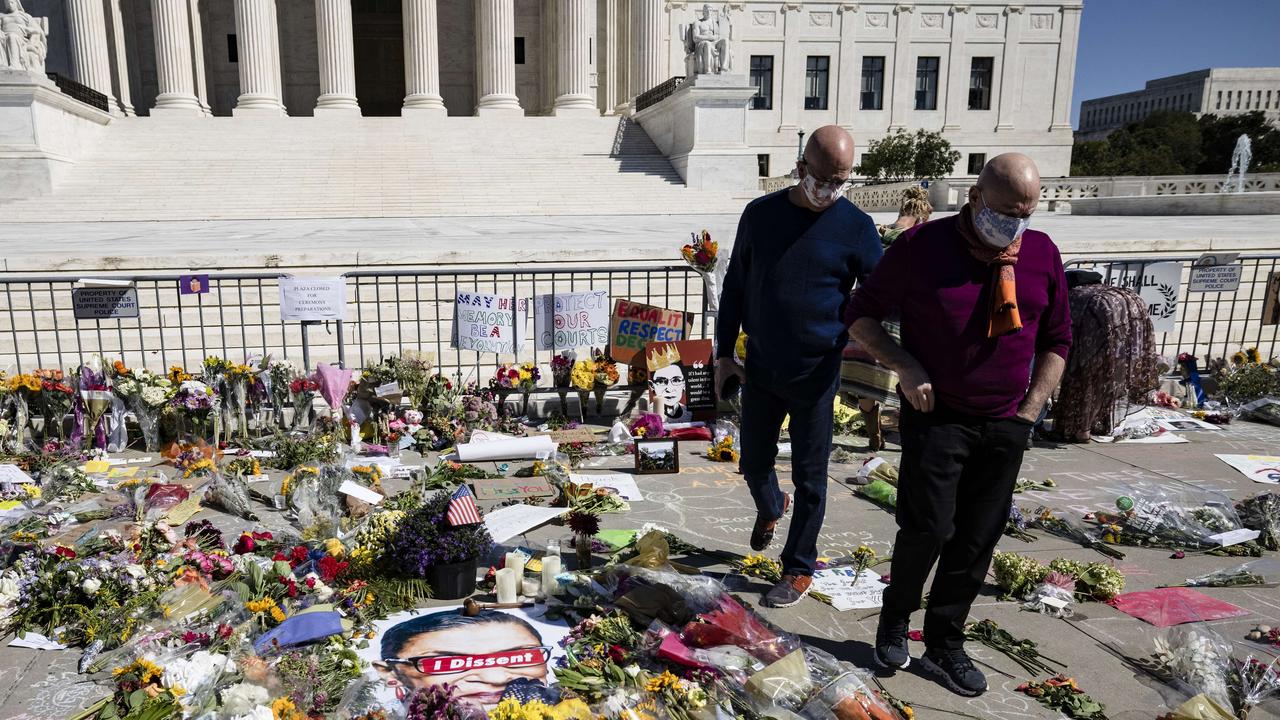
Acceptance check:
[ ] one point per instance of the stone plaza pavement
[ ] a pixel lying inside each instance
(709, 505)
(139, 247)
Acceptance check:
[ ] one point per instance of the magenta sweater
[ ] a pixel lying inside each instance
(942, 295)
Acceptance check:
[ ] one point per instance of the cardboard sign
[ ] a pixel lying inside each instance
(1271, 301)
(512, 488)
(1157, 284)
(104, 303)
(14, 474)
(565, 321)
(304, 299)
(633, 325)
(193, 284)
(489, 323)
(1215, 278)
(576, 435)
(683, 376)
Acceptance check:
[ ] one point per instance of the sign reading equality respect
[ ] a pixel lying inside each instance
(104, 303)
(634, 325)
(304, 299)
(489, 323)
(565, 321)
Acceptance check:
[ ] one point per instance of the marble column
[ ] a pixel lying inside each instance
(336, 46)
(647, 69)
(904, 71)
(119, 52)
(1010, 87)
(255, 27)
(576, 26)
(957, 91)
(422, 58)
(90, 61)
(496, 58)
(1067, 40)
(277, 71)
(198, 11)
(850, 85)
(790, 79)
(171, 25)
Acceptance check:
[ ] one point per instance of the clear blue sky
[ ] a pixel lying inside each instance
(1124, 43)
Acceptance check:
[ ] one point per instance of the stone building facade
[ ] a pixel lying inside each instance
(1216, 91)
(992, 76)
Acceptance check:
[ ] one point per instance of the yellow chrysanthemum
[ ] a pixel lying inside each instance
(662, 682)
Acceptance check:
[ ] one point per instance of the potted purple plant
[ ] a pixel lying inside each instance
(429, 546)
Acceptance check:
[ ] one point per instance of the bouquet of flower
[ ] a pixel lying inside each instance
(505, 380)
(478, 413)
(425, 538)
(1255, 573)
(237, 380)
(280, 376)
(1063, 525)
(1018, 575)
(194, 402)
(1061, 693)
(562, 366)
(1020, 650)
(1262, 513)
(638, 380)
(24, 392)
(1248, 378)
(413, 372)
(302, 395)
(1198, 664)
(57, 399)
(529, 377)
(1016, 525)
(595, 375)
(1164, 516)
(95, 395)
(146, 394)
(647, 425)
(703, 254)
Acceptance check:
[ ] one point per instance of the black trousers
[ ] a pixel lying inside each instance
(955, 487)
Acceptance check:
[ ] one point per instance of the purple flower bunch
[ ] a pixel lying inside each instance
(648, 425)
(192, 399)
(476, 410)
(437, 703)
(426, 539)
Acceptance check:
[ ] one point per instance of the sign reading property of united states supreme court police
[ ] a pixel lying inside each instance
(104, 303)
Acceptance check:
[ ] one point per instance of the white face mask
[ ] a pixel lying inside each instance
(820, 197)
(999, 230)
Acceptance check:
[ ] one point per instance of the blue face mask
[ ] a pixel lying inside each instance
(999, 230)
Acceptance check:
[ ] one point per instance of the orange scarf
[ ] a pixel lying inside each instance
(1004, 318)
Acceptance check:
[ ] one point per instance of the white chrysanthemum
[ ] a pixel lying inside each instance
(154, 396)
(243, 699)
(196, 673)
(261, 712)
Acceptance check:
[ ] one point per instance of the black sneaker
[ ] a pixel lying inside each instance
(762, 532)
(891, 645)
(956, 671)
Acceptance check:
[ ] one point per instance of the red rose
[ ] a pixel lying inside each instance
(311, 582)
(617, 653)
(244, 545)
(279, 556)
(225, 631)
(64, 552)
(297, 556)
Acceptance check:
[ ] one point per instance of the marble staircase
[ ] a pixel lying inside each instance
(166, 168)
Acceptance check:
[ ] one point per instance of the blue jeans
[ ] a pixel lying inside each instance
(764, 406)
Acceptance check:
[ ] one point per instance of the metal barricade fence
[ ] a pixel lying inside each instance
(389, 311)
(1212, 324)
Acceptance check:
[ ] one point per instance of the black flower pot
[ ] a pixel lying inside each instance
(452, 581)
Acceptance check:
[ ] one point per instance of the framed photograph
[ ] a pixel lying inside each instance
(657, 456)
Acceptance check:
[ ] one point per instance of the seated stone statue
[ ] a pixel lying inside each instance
(23, 39)
(706, 43)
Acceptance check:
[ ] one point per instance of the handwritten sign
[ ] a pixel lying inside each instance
(849, 591)
(304, 299)
(624, 484)
(512, 488)
(489, 323)
(1157, 284)
(104, 303)
(634, 325)
(14, 474)
(1215, 278)
(571, 320)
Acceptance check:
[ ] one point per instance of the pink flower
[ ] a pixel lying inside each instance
(915, 636)
(1177, 555)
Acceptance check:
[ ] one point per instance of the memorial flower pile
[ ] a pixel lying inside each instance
(1018, 575)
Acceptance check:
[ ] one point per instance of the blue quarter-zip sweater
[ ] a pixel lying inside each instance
(788, 282)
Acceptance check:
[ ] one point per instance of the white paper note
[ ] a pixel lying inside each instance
(359, 492)
(847, 591)
(14, 474)
(526, 448)
(623, 483)
(508, 522)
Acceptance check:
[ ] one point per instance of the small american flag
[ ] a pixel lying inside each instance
(462, 508)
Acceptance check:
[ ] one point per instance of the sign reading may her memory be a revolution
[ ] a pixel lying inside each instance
(564, 321)
(1158, 284)
(489, 323)
(313, 298)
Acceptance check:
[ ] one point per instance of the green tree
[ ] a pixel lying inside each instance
(903, 156)
(1220, 134)
(1176, 143)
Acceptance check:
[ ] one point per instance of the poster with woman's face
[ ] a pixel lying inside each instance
(480, 657)
(681, 375)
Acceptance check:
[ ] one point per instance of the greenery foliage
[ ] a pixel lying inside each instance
(1171, 142)
(903, 156)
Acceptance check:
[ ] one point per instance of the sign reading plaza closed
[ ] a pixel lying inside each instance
(489, 323)
(634, 325)
(311, 299)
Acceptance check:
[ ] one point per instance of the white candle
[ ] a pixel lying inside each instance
(530, 587)
(507, 586)
(550, 569)
(515, 561)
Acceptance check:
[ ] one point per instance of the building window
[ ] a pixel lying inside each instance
(519, 51)
(762, 80)
(1219, 107)
(815, 93)
(1268, 106)
(976, 162)
(1239, 96)
(872, 83)
(233, 49)
(927, 83)
(981, 70)
(762, 162)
